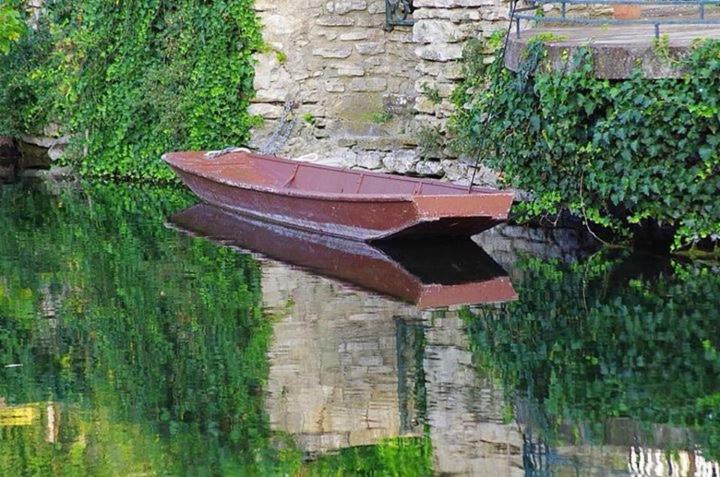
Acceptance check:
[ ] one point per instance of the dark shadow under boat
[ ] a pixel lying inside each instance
(428, 273)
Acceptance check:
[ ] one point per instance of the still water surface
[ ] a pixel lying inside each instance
(128, 347)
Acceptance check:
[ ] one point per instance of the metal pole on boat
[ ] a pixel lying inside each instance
(513, 8)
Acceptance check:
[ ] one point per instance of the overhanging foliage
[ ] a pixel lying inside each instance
(618, 153)
(132, 80)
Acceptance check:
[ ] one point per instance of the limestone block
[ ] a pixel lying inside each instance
(368, 84)
(443, 89)
(452, 71)
(355, 35)
(370, 48)
(374, 21)
(398, 103)
(425, 105)
(369, 160)
(454, 170)
(44, 142)
(57, 150)
(267, 111)
(376, 7)
(381, 143)
(399, 36)
(350, 70)
(430, 169)
(452, 3)
(330, 52)
(440, 52)
(401, 162)
(334, 86)
(335, 21)
(454, 15)
(437, 31)
(264, 5)
(342, 7)
(274, 95)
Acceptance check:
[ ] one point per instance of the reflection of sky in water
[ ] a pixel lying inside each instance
(469, 392)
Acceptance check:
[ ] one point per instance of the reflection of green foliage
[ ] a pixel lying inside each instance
(598, 340)
(391, 457)
(157, 349)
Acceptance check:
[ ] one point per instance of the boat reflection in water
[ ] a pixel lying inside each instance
(427, 273)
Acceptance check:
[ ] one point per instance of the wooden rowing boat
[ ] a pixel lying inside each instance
(427, 273)
(357, 205)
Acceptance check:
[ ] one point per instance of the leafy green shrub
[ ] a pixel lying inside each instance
(11, 27)
(618, 153)
(132, 80)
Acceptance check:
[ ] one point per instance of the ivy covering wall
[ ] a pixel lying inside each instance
(11, 27)
(618, 153)
(134, 79)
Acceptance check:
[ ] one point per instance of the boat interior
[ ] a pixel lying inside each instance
(271, 171)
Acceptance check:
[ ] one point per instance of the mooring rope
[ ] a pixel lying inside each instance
(277, 139)
(489, 117)
(210, 155)
(283, 131)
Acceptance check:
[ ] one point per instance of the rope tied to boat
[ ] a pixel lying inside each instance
(283, 130)
(210, 155)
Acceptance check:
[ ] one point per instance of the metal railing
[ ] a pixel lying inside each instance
(657, 23)
(399, 13)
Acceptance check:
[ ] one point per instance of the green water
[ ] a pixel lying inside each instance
(128, 348)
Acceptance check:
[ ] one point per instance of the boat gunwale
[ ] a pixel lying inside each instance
(339, 197)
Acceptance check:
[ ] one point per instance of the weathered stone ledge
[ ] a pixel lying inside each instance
(32, 156)
(618, 51)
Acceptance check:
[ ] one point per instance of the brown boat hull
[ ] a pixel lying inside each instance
(371, 215)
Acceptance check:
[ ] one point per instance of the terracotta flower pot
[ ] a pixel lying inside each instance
(626, 12)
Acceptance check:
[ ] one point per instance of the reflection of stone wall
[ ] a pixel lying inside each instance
(333, 364)
(599, 461)
(334, 376)
(465, 410)
(343, 367)
(507, 243)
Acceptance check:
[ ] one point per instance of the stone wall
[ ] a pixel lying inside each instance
(335, 86)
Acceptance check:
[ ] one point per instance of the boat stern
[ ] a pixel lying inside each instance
(488, 205)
